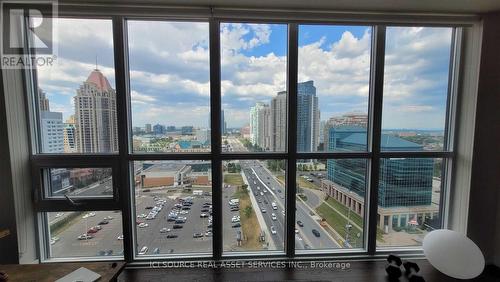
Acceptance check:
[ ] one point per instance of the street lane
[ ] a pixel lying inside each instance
(255, 170)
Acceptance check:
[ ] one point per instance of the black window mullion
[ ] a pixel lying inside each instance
(216, 136)
(376, 93)
(292, 79)
(122, 109)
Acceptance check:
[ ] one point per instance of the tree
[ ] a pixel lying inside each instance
(248, 211)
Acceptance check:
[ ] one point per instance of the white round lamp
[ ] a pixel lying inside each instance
(453, 254)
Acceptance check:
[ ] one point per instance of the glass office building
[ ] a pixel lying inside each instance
(403, 181)
(308, 117)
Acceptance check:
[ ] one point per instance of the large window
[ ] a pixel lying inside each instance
(218, 139)
(169, 86)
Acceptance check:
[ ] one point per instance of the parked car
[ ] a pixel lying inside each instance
(143, 225)
(316, 233)
(198, 235)
(300, 223)
(92, 230)
(54, 240)
(120, 237)
(177, 226)
(143, 250)
(171, 236)
(85, 237)
(164, 230)
(104, 222)
(235, 225)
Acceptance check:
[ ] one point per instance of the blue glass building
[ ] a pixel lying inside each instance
(307, 117)
(402, 181)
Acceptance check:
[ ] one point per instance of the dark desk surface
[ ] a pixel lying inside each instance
(361, 271)
(50, 272)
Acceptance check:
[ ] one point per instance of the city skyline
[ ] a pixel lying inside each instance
(167, 87)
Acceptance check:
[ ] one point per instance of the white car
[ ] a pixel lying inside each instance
(234, 220)
(92, 214)
(263, 210)
(85, 236)
(59, 214)
(273, 216)
(164, 230)
(53, 240)
(142, 225)
(273, 230)
(141, 215)
(119, 237)
(183, 212)
(143, 250)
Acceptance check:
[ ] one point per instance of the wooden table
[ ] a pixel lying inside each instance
(50, 272)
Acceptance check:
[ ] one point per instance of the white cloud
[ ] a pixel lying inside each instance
(170, 61)
(137, 97)
(233, 36)
(339, 70)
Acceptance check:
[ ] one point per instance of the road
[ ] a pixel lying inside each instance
(260, 180)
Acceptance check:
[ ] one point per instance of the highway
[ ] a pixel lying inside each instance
(261, 179)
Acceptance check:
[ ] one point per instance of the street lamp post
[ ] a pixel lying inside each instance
(348, 225)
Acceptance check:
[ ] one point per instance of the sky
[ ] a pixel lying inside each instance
(170, 82)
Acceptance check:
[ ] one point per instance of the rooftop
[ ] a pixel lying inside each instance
(97, 78)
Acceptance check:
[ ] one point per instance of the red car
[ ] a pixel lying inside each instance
(93, 230)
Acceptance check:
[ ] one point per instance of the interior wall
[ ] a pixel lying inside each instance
(484, 211)
(496, 257)
(8, 229)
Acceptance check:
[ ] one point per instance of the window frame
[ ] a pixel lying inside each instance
(122, 161)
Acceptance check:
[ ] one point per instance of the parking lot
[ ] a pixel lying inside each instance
(151, 237)
(104, 242)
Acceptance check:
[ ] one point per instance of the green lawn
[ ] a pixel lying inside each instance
(306, 184)
(345, 211)
(354, 216)
(233, 179)
(337, 222)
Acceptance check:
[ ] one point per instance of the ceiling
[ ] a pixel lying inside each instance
(419, 6)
